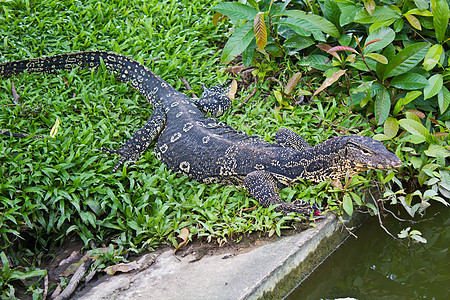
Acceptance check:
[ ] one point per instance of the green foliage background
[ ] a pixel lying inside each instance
(56, 189)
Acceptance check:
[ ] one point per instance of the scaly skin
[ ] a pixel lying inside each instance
(212, 152)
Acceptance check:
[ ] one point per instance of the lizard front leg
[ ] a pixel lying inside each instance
(141, 139)
(263, 187)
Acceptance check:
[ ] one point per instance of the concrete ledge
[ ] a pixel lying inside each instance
(262, 272)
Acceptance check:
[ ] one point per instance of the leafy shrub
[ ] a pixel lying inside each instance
(395, 58)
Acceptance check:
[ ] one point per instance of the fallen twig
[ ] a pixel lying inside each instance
(76, 278)
(188, 87)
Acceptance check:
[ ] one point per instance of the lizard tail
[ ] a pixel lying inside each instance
(127, 69)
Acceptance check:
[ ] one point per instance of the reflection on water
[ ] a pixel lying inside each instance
(375, 266)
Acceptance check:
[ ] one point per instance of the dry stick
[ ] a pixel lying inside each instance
(188, 87)
(249, 96)
(70, 288)
(381, 222)
(16, 96)
(45, 286)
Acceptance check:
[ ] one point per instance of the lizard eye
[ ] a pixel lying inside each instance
(365, 151)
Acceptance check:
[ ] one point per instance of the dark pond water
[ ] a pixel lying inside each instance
(375, 266)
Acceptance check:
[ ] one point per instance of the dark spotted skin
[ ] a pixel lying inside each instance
(209, 151)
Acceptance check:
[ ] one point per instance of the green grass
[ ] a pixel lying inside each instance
(55, 188)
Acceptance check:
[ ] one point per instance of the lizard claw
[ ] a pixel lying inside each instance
(125, 157)
(307, 208)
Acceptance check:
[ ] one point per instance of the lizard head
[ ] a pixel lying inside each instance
(363, 153)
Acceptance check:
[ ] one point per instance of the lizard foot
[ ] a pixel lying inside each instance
(301, 207)
(129, 157)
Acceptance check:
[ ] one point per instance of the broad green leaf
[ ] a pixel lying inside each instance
(432, 57)
(409, 81)
(406, 59)
(437, 151)
(382, 106)
(238, 42)
(298, 27)
(332, 12)
(236, 11)
(380, 14)
(440, 18)
(413, 21)
(347, 204)
(398, 25)
(418, 12)
(416, 128)
(348, 13)
(378, 57)
(314, 20)
(377, 25)
(434, 86)
(403, 101)
(390, 127)
(259, 27)
(380, 137)
(386, 36)
(298, 42)
(444, 100)
(421, 4)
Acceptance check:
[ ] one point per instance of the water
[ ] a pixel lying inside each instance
(375, 266)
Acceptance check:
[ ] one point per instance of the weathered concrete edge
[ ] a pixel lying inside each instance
(307, 243)
(260, 273)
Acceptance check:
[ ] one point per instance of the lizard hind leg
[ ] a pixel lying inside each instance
(141, 139)
(263, 186)
(213, 101)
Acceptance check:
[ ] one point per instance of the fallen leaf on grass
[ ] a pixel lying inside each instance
(14, 94)
(233, 89)
(184, 235)
(329, 81)
(292, 82)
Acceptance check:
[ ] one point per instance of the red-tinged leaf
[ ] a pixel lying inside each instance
(259, 27)
(292, 82)
(324, 47)
(342, 48)
(370, 6)
(434, 121)
(417, 113)
(440, 134)
(371, 42)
